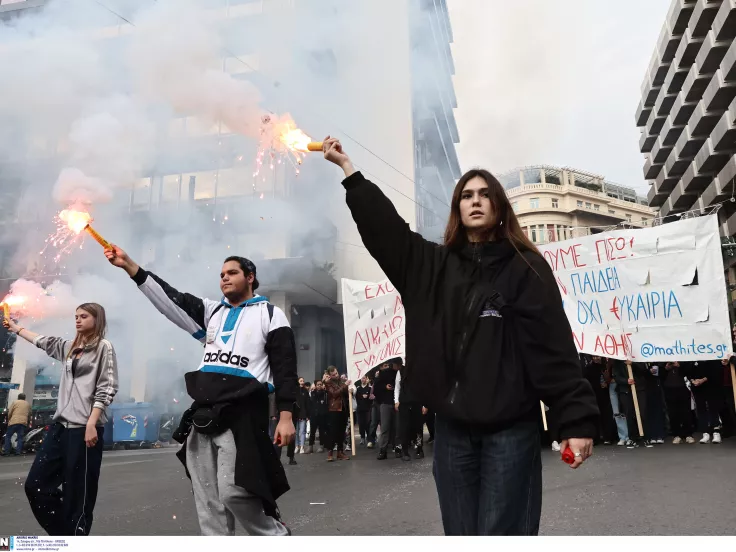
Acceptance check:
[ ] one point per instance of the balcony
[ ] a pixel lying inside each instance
(676, 166)
(651, 169)
(682, 110)
(665, 183)
(727, 175)
(694, 181)
(724, 133)
(664, 103)
(642, 114)
(675, 78)
(680, 13)
(724, 25)
(708, 160)
(660, 152)
(656, 198)
(655, 124)
(719, 94)
(688, 145)
(711, 54)
(666, 208)
(695, 84)
(687, 51)
(702, 121)
(670, 133)
(703, 16)
(714, 193)
(680, 199)
(300, 278)
(646, 142)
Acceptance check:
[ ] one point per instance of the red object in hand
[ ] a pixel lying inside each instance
(278, 441)
(568, 457)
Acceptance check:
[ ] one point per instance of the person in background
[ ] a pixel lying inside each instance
(728, 410)
(626, 398)
(677, 397)
(362, 397)
(19, 416)
(375, 409)
(410, 419)
(62, 484)
(318, 416)
(429, 415)
(655, 403)
(347, 394)
(599, 377)
(383, 389)
(619, 416)
(335, 390)
(705, 382)
(302, 415)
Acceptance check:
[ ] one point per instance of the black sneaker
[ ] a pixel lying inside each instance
(648, 443)
(292, 462)
(382, 454)
(420, 453)
(397, 452)
(631, 444)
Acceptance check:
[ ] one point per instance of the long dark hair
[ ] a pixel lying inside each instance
(505, 224)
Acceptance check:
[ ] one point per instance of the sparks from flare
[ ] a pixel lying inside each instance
(11, 301)
(69, 225)
(281, 141)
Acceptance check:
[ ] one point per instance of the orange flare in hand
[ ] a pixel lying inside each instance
(314, 146)
(78, 221)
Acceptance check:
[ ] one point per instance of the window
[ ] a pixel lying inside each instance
(534, 234)
(611, 212)
(587, 205)
(555, 204)
(628, 217)
(534, 203)
(580, 204)
(515, 206)
(596, 207)
(645, 222)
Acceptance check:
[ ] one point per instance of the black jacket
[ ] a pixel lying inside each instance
(319, 403)
(476, 361)
(362, 395)
(301, 410)
(384, 378)
(639, 370)
(711, 369)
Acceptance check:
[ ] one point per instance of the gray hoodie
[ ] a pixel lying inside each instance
(94, 384)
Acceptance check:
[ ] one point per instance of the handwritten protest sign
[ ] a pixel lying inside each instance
(374, 325)
(648, 294)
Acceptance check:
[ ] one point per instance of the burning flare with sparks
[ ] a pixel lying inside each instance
(11, 301)
(69, 225)
(281, 140)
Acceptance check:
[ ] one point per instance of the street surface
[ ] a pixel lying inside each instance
(667, 490)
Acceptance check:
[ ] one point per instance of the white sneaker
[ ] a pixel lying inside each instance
(621, 443)
(658, 441)
(676, 441)
(555, 446)
(302, 450)
(716, 438)
(706, 439)
(689, 440)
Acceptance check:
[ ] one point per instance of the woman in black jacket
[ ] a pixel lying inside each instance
(488, 338)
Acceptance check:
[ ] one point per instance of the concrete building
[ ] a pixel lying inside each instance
(555, 204)
(687, 113)
(397, 103)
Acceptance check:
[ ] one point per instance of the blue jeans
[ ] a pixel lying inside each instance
(301, 432)
(15, 429)
(618, 414)
(489, 483)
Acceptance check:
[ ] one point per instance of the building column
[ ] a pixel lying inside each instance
(23, 376)
(282, 301)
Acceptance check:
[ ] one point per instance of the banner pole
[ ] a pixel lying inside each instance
(352, 422)
(544, 416)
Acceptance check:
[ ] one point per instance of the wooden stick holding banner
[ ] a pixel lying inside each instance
(636, 400)
(352, 422)
(733, 382)
(544, 416)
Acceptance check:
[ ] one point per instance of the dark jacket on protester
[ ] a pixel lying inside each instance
(301, 411)
(711, 369)
(674, 378)
(383, 395)
(471, 361)
(362, 395)
(319, 403)
(621, 375)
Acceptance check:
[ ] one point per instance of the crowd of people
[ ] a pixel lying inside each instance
(387, 416)
(679, 399)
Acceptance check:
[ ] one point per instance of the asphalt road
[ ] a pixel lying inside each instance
(667, 490)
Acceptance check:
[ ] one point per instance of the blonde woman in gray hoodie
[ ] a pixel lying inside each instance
(71, 453)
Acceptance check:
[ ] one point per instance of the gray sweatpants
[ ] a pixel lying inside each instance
(389, 418)
(219, 501)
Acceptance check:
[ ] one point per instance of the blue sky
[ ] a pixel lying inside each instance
(553, 82)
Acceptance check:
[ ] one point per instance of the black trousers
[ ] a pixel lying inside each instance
(410, 420)
(606, 424)
(318, 422)
(678, 408)
(708, 402)
(627, 400)
(335, 431)
(728, 413)
(65, 461)
(429, 420)
(364, 423)
(375, 420)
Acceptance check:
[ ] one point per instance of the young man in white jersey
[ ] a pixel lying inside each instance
(249, 352)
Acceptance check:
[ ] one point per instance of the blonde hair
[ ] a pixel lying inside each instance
(97, 312)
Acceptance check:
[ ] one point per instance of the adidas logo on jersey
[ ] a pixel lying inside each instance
(227, 358)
